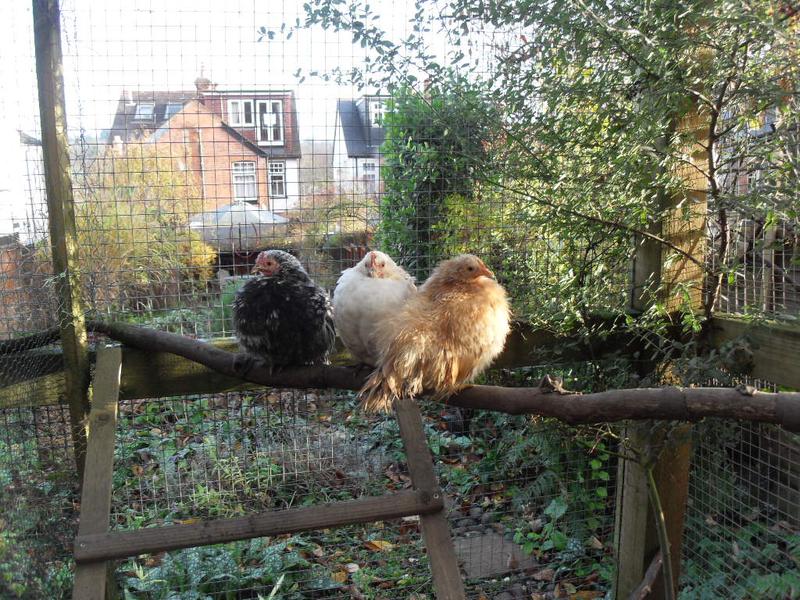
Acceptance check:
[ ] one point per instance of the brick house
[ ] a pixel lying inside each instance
(244, 146)
(357, 140)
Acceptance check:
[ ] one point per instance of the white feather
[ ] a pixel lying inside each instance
(361, 303)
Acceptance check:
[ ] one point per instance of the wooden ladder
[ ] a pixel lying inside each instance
(96, 546)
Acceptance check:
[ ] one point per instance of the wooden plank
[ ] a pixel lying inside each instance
(120, 544)
(61, 217)
(447, 581)
(636, 541)
(775, 347)
(42, 391)
(630, 516)
(671, 474)
(90, 580)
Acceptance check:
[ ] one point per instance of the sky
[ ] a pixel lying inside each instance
(151, 45)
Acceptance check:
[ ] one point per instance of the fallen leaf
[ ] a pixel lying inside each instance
(379, 545)
(137, 470)
(351, 567)
(569, 588)
(544, 575)
(318, 552)
(339, 576)
(595, 543)
(587, 595)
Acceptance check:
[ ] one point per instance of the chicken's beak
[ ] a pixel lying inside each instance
(486, 271)
(256, 270)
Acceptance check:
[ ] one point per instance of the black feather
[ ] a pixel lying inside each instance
(285, 319)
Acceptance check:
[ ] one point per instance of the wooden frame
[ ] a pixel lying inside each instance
(95, 545)
(90, 578)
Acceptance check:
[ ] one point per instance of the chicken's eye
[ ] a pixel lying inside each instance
(381, 265)
(470, 268)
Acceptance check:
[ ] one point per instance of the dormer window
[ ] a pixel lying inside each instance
(270, 122)
(377, 109)
(240, 113)
(144, 111)
(172, 108)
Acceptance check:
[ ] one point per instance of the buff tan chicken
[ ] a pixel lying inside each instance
(444, 336)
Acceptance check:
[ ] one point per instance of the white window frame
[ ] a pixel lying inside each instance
(377, 109)
(241, 177)
(369, 175)
(237, 115)
(138, 116)
(278, 122)
(276, 170)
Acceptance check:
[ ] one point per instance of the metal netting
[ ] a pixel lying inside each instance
(526, 518)
(742, 535)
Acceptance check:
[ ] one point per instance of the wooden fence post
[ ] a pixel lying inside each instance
(683, 224)
(61, 216)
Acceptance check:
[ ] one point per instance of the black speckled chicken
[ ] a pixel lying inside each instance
(281, 316)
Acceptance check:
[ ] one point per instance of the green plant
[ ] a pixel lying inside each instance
(135, 249)
(259, 564)
(434, 145)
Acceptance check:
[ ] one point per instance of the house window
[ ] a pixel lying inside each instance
(172, 108)
(243, 178)
(370, 176)
(270, 122)
(240, 112)
(144, 111)
(277, 179)
(376, 111)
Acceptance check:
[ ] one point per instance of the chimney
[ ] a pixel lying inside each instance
(203, 84)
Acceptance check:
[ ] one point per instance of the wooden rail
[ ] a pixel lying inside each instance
(109, 545)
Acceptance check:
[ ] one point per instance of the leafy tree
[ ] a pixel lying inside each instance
(614, 116)
(136, 250)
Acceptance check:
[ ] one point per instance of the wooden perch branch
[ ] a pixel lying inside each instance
(668, 403)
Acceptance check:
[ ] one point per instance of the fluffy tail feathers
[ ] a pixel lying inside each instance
(377, 394)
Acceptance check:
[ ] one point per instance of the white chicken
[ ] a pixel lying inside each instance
(364, 297)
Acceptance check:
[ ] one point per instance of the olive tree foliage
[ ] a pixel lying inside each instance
(610, 116)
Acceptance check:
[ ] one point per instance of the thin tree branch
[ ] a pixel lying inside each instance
(661, 532)
(598, 220)
(643, 590)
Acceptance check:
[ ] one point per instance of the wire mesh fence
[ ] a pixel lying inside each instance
(203, 133)
(183, 459)
(742, 522)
